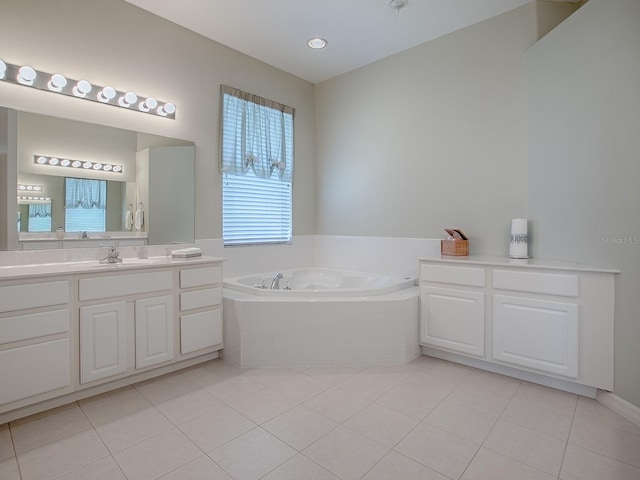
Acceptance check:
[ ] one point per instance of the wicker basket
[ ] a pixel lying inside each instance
(454, 247)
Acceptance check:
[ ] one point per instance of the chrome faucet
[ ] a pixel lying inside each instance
(84, 235)
(113, 256)
(275, 283)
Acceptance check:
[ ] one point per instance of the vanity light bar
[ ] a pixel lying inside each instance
(84, 165)
(42, 199)
(30, 188)
(57, 83)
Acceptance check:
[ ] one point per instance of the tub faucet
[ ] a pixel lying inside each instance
(275, 283)
(113, 256)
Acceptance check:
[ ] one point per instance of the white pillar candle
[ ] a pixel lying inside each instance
(519, 246)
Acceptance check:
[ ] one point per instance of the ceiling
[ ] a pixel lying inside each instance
(358, 32)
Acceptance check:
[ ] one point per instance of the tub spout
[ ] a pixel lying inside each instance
(275, 283)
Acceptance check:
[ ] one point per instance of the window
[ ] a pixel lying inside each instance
(256, 160)
(85, 205)
(39, 218)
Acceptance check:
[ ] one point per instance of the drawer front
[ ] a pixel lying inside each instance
(467, 276)
(122, 285)
(200, 330)
(24, 327)
(33, 295)
(530, 282)
(208, 297)
(198, 277)
(34, 369)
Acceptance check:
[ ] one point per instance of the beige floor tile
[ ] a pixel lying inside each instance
(551, 397)
(335, 452)
(113, 405)
(187, 407)
(580, 464)
(441, 451)
(381, 424)
(300, 468)
(9, 469)
(300, 388)
(104, 469)
(621, 445)
(527, 446)
(61, 457)
(336, 404)
(299, 427)
(166, 387)
(202, 468)
(6, 444)
(263, 405)
(371, 386)
(451, 370)
(201, 376)
(591, 411)
(409, 401)
(431, 384)
(220, 367)
(487, 401)
(493, 382)
(539, 417)
(126, 431)
(423, 363)
(157, 456)
(468, 423)
(399, 467)
(232, 388)
(488, 465)
(38, 430)
(252, 455)
(332, 375)
(216, 428)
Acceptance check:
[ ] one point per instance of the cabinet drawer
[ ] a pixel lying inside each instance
(468, 276)
(33, 295)
(122, 285)
(208, 297)
(545, 283)
(200, 330)
(34, 369)
(197, 277)
(24, 327)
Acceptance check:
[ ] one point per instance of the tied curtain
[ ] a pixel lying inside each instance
(257, 136)
(85, 193)
(40, 210)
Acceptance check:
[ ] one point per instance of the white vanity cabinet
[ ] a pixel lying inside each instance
(35, 341)
(200, 309)
(552, 320)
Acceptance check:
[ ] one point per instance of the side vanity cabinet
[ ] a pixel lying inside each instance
(549, 320)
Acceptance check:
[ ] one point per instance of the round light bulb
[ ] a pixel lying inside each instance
(76, 164)
(107, 168)
(317, 43)
(57, 82)
(149, 104)
(54, 161)
(87, 165)
(3, 69)
(117, 168)
(42, 160)
(97, 166)
(128, 99)
(26, 75)
(82, 88)
(107, 94)
(65, 163)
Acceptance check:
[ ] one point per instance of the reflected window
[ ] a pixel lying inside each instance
(85, 205)
(39, 218)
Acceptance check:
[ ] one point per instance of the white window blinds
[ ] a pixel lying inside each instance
(256, 160)
(85, 205)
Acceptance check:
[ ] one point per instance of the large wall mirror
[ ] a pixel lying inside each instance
(144, 196)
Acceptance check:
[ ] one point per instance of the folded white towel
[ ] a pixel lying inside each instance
(139, 218)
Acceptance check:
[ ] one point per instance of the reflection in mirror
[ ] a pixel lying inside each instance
(110, 216)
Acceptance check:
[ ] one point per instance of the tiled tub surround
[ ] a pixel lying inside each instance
(430, 419)
(320, 331)
(69, 330)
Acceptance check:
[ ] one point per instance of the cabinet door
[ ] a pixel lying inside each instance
(538, 334)
(200, 330)
(452, 319)
(154, 331)
(103, 341)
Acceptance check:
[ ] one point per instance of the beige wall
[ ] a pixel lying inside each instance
(584, 106)
(430, 138)
(118, 44)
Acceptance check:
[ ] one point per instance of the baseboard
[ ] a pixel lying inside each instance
(619, 405)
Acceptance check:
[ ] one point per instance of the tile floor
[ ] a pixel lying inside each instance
(431, 420)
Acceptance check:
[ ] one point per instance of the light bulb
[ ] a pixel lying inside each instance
(82, 88)
(87, 165)
(26, 75)
(54, 161)
(166, 109)
(149, 104)
(106, 95)
(41, 160)
(317, 43)
(3, 69)
(117, 168)
(57, 82)
(128, 99)
(107, 168)
(76, 164)
(97, 166)
(65, 163)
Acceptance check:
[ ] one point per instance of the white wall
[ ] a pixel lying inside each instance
(430, 138)
(584, 106)
(119, 44)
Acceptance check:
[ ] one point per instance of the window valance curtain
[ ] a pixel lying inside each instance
(85, 193)
(256, 135)
(40, 210)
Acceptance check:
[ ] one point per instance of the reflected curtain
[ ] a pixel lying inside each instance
(85, 193)
(39, 210)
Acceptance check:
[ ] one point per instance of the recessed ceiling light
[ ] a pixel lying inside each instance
(317, 42)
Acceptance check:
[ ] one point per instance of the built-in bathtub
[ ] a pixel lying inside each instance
(327, 318)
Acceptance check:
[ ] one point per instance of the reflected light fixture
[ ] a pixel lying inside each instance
(30, 188)
(41, 199)
(317, 43)
(58, 83)
(85, 165)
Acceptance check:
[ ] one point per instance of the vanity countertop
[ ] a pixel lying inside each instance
(14, 272)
